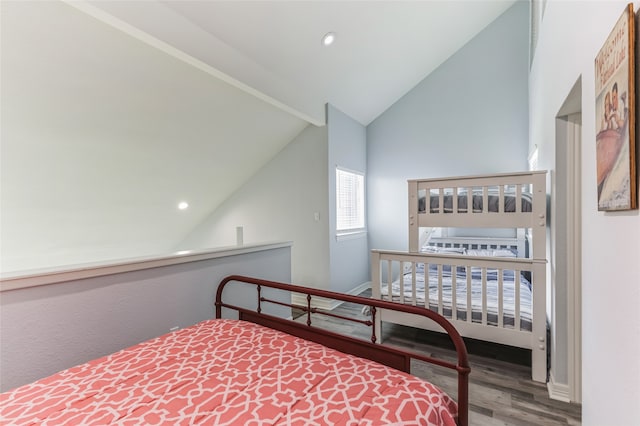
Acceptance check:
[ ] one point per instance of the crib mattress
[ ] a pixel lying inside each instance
(492, 299)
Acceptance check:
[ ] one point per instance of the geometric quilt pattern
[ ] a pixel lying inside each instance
(228, 372)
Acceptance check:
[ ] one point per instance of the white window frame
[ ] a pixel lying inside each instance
(357, 227)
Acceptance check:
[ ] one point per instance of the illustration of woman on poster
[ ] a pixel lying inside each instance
(615, 138)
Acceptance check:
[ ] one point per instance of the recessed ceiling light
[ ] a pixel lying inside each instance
(328, 39)
(182, 205)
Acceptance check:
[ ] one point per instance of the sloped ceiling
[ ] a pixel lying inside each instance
(113, 112)
(382, 50)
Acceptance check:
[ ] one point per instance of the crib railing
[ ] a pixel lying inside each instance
(475, 291)
(514, 200)
(496, 299)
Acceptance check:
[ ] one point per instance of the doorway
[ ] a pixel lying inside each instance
(566, 297)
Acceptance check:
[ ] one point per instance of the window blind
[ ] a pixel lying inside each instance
(349, 200)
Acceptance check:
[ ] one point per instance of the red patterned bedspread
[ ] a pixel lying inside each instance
(228, 372)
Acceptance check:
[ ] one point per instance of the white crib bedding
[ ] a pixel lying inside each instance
(508, 291)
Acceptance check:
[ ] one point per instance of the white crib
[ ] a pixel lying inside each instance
(477, 283)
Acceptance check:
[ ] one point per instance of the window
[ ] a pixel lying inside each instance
(349, 201)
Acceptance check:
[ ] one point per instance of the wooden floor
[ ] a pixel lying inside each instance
(501, 391)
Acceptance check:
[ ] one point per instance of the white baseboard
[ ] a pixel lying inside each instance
(362, 287)
(558, 391)
(326, 304)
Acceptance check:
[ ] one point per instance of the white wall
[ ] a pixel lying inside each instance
(348, 258)
(470, 116)
(571, 35)
(49, 328)
(103, 135)
(279, 203)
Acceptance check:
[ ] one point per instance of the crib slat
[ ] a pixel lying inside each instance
(469, 310)
(485, 199)
(454, 293)
(441, 200)
(501, 200)
(516, 282)
(389, 280)
(484, 296)
(454, 204)
(470, 200)
(440, 305)
(518, 198)
(414, 300)
(427, 297)
(500, 298)
(402, 282)
(427, 201)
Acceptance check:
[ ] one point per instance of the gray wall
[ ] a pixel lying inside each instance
(349, 258)
(279, 203)
(49, 328)
(470, 116)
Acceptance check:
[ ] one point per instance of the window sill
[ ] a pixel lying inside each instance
(351, 235)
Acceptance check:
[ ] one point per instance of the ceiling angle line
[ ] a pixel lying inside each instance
(154, 42)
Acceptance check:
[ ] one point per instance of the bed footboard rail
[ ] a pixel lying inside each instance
(501, 300)
(374, 350)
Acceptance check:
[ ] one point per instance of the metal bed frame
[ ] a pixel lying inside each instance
(373, 349)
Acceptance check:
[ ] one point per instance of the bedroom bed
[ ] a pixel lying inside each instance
(256, 369)
(491, 289)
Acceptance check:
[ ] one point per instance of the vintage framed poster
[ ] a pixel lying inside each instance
(615, 118)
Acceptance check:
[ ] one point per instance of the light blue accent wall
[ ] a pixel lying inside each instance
(348, 258)
(470, 116)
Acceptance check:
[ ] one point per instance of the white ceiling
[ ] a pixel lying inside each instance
(383, 48)
(113, 112)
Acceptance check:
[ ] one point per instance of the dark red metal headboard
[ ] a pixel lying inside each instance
(390, 356)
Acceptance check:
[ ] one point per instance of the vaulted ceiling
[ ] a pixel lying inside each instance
(113, 112)
(382, 48)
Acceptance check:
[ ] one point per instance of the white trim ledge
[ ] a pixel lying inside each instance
(33, 278)
(558, 391)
